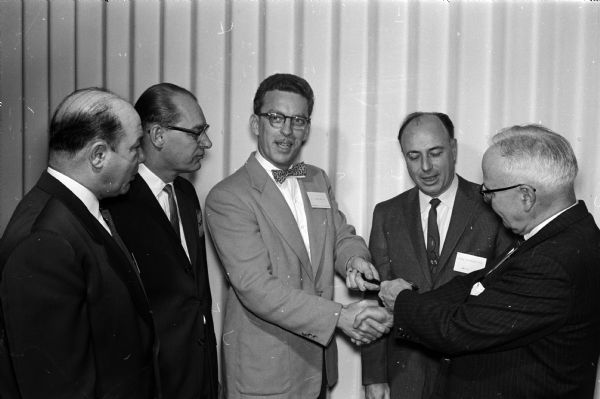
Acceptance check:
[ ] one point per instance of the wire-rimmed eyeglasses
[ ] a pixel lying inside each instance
(277, 120)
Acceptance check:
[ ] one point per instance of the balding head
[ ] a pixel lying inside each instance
(83, 116)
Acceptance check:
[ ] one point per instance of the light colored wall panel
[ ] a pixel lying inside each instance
(11, 112)
(487, 64)
(35, 85)
(119, 54)
(178, 51)
(89, 42)
(147, 45)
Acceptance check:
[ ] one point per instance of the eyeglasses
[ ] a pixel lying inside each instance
(277, 120)
(487, 193)
(195, 133)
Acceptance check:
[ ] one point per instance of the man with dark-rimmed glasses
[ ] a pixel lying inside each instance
(160, 221)
(280, 237)
(527, 327)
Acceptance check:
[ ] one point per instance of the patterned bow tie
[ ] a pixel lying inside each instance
(298, 169)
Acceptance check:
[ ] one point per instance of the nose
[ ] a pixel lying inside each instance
(205, 141)
(425, 163)
(286, 128)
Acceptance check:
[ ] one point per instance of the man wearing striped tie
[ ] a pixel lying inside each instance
(429, 234)
(160, 221)
(527, 327)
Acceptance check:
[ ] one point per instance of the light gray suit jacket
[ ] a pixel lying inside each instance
(279, 315)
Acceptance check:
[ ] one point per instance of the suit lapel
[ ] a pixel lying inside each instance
(412, 216)
(315, 217)
(189, 220)
(118, 260)
(277, 211)
(462, 213)
(141, 194)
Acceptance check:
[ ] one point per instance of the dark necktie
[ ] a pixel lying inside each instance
(507, 254)
(173, 216)
(298, 169)
(433, 236)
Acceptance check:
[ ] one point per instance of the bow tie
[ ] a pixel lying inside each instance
(298, 169)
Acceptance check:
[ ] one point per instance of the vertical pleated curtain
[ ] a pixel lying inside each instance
(370, 62)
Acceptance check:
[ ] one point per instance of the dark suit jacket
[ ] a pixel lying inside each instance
(398, 250)
(178, 289)
(533, 333)
(77, 321)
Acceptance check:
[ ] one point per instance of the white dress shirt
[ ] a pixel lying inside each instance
(290, 189)
(83, 193)
(156, 185)
(540, 226)
(444, 210)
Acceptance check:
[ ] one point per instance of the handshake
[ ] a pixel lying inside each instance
(365, 321)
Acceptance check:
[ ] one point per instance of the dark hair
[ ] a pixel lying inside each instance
(284, 82)
(155, 105)
(83, 116)
(445, 119)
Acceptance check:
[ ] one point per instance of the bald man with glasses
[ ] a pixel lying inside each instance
(160, 221)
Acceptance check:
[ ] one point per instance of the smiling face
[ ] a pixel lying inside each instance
(280, 146)
(430, 154)
(183, 152)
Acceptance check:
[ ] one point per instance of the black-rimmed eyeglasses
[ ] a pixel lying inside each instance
(487, 193)
(194, 132)
(277, 120)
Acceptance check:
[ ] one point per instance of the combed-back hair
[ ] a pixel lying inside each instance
(536, 152)
(284, 82)
(155, 105)
(445, 119)
(83, 116)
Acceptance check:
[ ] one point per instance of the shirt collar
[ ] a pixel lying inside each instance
(80, 191)
(154, 182)
(540, 226)
(266, 164)
(446, 198)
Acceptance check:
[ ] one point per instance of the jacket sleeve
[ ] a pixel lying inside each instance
(374, 355)
(50, 342)
(239, 243)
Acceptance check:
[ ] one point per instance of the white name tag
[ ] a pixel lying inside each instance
(477, 289)
(466, 263)
(318, 200)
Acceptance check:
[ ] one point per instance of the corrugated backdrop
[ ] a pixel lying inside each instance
(488, 65)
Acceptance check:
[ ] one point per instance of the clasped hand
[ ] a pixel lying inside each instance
(365, 321)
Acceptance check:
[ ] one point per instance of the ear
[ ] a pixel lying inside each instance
(156, 133)
(254, 124)
(454, 149)
(98, 154)
(527, 196)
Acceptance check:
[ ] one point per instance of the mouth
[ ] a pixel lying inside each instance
(284, 145)
(429, 179)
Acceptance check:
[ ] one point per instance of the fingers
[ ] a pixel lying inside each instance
(360, 270)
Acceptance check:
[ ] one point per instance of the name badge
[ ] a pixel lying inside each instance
(466, 263)
(477, 289)
(318, 200)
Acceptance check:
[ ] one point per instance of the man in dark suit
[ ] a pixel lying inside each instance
(468, 234)
(76, 318)
(160, 221)
(280, 237)
(528, 326)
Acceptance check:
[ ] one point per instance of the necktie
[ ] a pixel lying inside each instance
(298, 169)
(433, 236)
(507, 254)
(173, 216)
